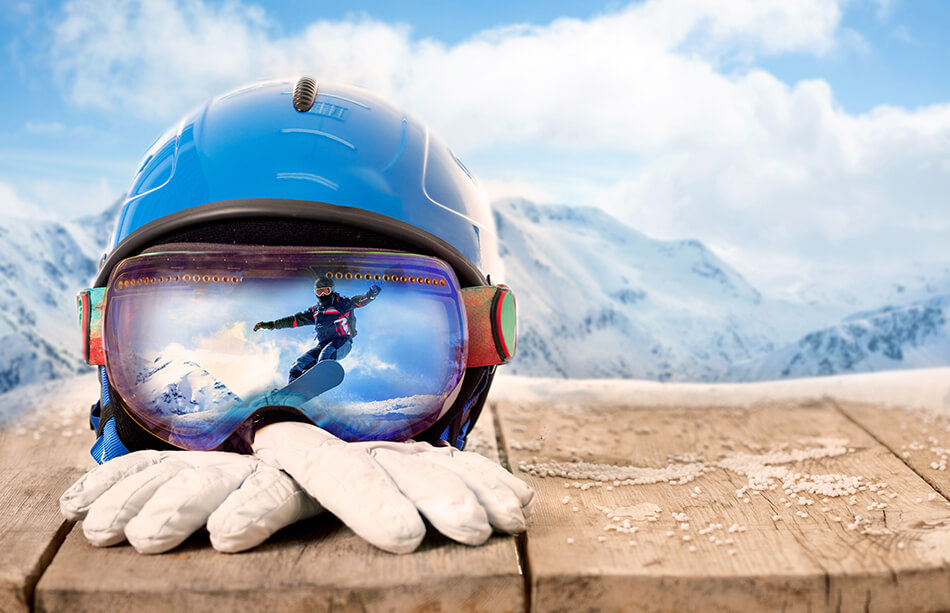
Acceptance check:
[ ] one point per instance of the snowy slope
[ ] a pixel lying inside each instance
(596, 299)
(599, 299)
(177, 387)
(916, 335)
(43, 265)
(925, 388)
(851, 293)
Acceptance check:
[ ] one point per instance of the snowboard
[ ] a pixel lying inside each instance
(317, 379)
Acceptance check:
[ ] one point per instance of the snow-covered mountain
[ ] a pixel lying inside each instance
(177, 387)
(851, 293)
(596, 298)
(43, 265)
(599, 299)
(916, 335)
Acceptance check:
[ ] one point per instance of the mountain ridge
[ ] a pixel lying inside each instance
(597, 298)
(893, 337)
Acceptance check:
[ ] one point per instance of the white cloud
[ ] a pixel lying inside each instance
(885, 8)
(157, 58)
(736, 158)
(13, 205)
(45, 128)
(496, 189)
(243, 365)
(902, 33)
(69, 198)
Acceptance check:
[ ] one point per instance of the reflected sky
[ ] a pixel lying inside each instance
(404, 359)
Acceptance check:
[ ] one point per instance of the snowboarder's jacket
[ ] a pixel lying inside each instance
(332, 319)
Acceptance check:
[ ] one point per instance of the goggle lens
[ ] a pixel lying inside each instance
(182, 354)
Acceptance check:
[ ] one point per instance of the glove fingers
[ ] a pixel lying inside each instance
(352, 486)
(503, 507)
(182, 505)
(107, 517)
(75, 501)
(495, 471)
(441, 496)
(267, 501)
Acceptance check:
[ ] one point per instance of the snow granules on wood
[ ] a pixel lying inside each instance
(674, 473)
(764, 471)
(639, 512)
(761, 471)
(622, 518)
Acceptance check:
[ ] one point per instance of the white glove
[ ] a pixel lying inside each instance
(156, 499)
(379, 488)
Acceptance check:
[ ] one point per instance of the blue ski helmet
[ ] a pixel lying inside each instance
(307, 163)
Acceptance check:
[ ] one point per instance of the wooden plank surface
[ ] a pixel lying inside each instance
(716, 543)
(318, 565)
(42, 451)
(770, 553)
(920, 437)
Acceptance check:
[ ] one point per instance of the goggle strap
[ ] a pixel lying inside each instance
(90, 303)
(489, 341)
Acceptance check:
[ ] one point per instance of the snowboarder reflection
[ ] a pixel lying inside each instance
(334, 320)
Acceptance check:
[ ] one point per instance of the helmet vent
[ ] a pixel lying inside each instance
(305, 92)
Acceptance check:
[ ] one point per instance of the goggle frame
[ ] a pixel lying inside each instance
(491, 311)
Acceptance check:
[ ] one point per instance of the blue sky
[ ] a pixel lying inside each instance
(784, 135)
(899, 58)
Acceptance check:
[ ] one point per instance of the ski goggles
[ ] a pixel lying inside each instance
(177, 333)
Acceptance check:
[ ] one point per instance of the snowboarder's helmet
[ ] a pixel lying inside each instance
(323, 283)
(301, 163)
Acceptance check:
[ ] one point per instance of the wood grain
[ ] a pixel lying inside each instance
(921, 438)
(41, 453)
(318, 565)
(747, 556)
(773, 559)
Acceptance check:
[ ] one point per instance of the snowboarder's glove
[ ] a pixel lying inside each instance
(266, 325)
(379, 488)
(374, 290)
(156, 499)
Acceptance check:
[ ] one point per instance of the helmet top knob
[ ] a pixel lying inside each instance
(305, 92)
